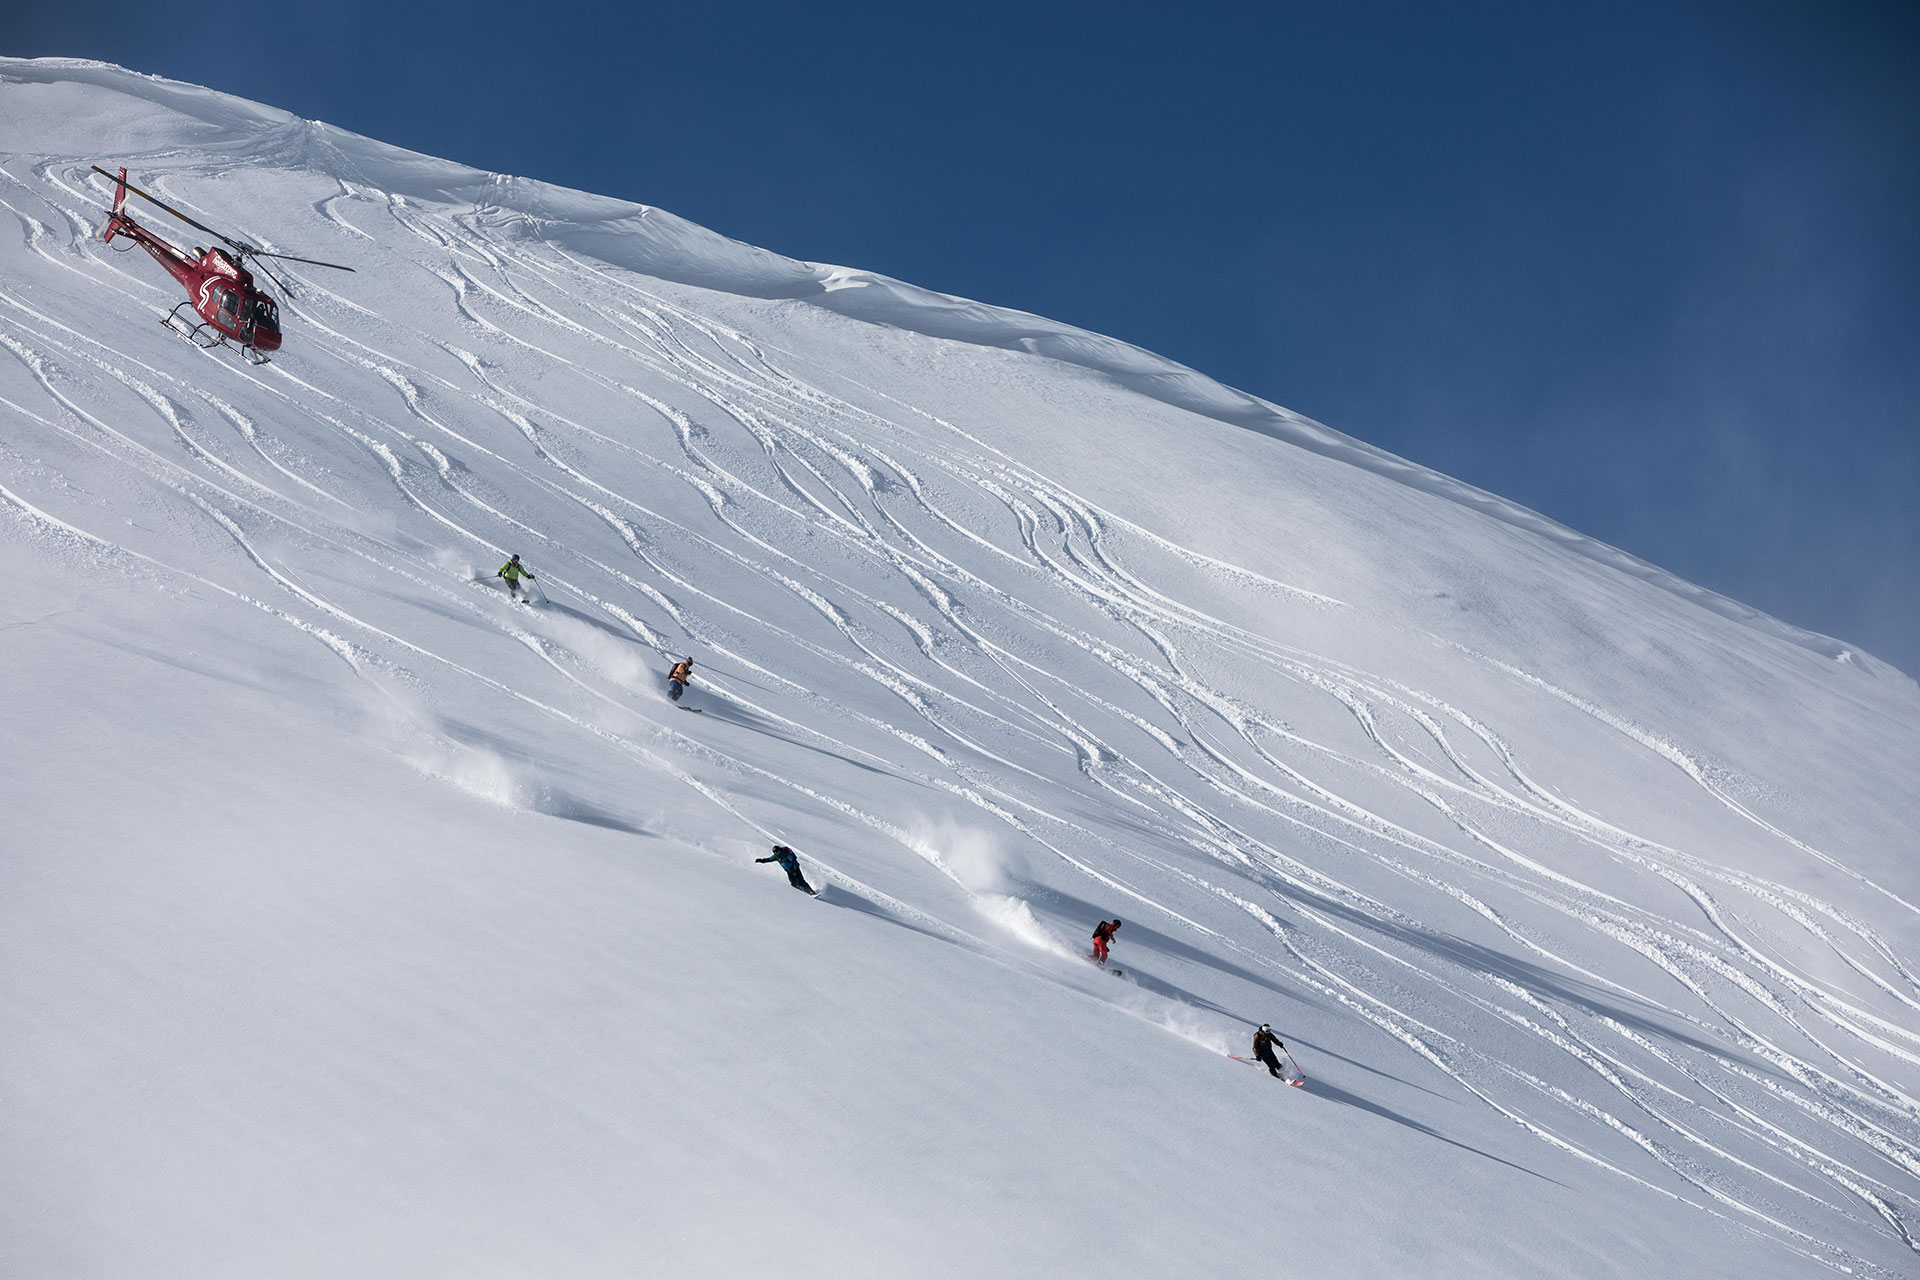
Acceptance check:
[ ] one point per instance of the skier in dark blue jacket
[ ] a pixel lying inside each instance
(790, 863)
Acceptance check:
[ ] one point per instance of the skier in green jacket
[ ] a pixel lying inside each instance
(513, 571)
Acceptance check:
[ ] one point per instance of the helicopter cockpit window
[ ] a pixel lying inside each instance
(263, 314)
(229, 304)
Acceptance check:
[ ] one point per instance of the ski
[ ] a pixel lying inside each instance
(1296, 1083)
(527, 601)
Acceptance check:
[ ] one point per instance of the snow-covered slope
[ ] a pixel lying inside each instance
(358, 921)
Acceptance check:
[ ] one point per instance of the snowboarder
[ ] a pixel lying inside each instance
(790, 863)
(677, 681)
(1263, 1045)
(1102, 939)
(513, 571)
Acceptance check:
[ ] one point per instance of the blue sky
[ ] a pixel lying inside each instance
(1651, 269)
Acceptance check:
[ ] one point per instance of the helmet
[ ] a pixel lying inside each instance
(1116, 923)
(514, 556)
(1266, 1026)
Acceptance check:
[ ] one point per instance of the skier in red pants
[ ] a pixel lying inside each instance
(1103, 938)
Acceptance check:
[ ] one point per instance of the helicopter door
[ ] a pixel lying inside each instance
(227, 315)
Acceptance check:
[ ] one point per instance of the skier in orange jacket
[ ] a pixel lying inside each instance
(1103, 938)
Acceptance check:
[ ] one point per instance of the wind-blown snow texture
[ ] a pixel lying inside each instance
(357, 921)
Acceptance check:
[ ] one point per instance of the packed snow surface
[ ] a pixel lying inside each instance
(358, 920)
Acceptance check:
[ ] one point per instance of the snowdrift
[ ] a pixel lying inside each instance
(359, 920)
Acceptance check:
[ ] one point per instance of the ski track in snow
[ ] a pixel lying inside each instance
(1712, 1066)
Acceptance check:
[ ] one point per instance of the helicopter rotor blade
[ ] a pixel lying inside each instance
(287, 257)
(284, 286)
(240, 249)
(201, 226)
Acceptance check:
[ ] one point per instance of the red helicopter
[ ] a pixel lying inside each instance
(219, 286)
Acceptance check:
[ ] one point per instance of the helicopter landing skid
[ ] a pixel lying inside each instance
(172, 323)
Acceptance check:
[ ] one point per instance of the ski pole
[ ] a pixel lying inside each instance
(575, 594)
(722, 671)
